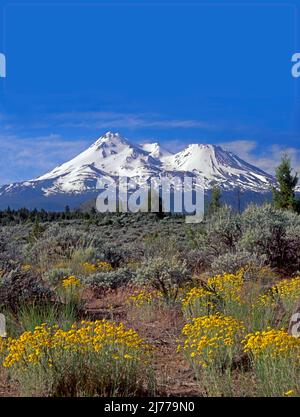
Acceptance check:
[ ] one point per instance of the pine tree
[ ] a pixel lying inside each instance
(36, 232)
(284, 196)
(154, 198)
(215, 202)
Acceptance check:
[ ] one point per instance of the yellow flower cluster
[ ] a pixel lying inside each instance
(195, 294)
(287, 290)
(272, 343)
(25, 268)
(289, 393)
(198, 301)
(264, 300)
(209, 338)
(100, 266)
(111, 339)
(104, 266)
(228, 286)
(144, 296)
(202, 301)
(71, 281)
(27, 348)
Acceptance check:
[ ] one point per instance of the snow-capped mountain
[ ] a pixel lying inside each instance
(214, 165)
(112, 156)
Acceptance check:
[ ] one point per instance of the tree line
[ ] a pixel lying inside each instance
(24, 215)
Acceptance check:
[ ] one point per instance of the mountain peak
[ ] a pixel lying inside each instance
(202, 146)
(110, 135)
(110, 138)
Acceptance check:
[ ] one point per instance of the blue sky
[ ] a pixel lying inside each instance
(174, 72)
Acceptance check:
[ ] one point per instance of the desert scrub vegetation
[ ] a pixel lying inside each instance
(210, 344)
(283, 295)
(275, 356)
(92, 358)
(271, 236)
(148, 304)
(164, 275)
(230, 318)
(145, 303)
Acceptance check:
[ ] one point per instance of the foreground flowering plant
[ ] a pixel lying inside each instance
(276, 361)
(100, 357)
(211, 340)
(219, 293)
(283, 295)
(71, 281)
(143, 297)
(210, 344)
(272, 343)
(287, 291)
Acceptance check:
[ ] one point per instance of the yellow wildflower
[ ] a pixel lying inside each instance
(71, 281)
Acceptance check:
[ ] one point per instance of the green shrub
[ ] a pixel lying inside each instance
(102, 281)
(260, 235)
(56, 244)
(231, 262)
(274, 234)
(19, 287)
(166, 275)
(55, 275)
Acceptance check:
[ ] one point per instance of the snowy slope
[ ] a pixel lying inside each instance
(112, 155)
(215, 165)
(156, 150)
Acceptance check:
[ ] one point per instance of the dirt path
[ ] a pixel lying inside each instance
(7, 388)
(161, 329)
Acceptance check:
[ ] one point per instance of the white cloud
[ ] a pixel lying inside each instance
(172, 145)
(118, 120)
(268, 158)
(243, 148)
(25, 158)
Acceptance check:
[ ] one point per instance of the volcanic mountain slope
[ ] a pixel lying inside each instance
(216, 166)
(112, 156)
